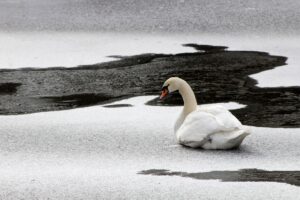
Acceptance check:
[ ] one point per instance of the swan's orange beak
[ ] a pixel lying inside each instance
(164, 93)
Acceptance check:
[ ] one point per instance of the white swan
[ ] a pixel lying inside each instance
(209, 126)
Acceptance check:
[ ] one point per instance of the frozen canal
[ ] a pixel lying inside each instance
(124, 152)
(98, 153)
(130, 152)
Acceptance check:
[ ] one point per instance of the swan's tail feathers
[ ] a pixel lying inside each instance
(239, 137)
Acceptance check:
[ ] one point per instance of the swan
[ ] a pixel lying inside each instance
(204, 126)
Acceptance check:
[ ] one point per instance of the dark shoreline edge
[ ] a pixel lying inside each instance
(215, 74)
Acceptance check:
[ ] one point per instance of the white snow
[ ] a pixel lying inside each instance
(96, 152)
(68, 49)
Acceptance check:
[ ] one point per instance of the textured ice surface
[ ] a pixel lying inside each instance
(96, 152)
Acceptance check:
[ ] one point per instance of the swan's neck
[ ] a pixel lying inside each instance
(190, 103)
(189, 99)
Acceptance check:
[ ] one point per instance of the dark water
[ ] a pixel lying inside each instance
(118, 105)
(9, 88)
(242, 175)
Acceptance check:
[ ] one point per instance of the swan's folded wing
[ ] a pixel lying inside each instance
(222, 115)
(197, 127)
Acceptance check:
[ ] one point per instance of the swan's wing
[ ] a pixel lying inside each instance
(197, 127)
(223, 116)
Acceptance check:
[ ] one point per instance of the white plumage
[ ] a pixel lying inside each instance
(211, 127)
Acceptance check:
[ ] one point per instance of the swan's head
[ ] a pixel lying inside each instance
(170, 85)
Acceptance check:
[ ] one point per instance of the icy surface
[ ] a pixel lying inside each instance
(96, 153)
(68, 49)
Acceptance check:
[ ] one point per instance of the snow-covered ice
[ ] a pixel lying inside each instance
(68, 49)
(96, 153)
